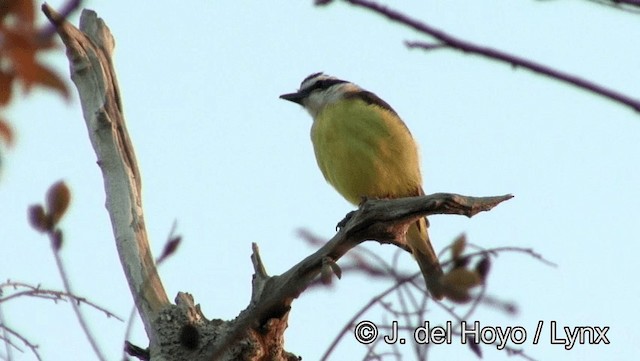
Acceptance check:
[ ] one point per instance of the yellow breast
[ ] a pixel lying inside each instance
(365, 151)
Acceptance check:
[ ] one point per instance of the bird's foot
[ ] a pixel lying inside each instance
(345, 220)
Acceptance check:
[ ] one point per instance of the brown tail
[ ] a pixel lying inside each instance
(418, 240)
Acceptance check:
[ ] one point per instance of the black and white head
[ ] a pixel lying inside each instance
(319, 90)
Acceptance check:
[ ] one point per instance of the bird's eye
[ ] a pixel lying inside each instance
(324, 84)
(319, 85)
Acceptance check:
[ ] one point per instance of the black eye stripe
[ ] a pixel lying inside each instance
(323, 84)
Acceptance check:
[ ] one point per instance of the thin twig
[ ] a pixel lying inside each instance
(36, 291)
(513, 60)
(5, 336)
(353, 319)
(7, 330)
(528, 251)
(379, 220)
(128, 330)
(74, 305)
(404, 294)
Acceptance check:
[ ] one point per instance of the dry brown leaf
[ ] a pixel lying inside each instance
(58, 199)
(457, 283)
(461, 278)
(458, 246)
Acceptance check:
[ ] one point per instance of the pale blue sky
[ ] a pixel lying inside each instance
(233, 164)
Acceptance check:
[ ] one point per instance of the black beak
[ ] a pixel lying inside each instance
(294, 97)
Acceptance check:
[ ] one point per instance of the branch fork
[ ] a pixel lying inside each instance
(180, 331)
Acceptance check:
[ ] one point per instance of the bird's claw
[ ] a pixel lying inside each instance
(344, 221)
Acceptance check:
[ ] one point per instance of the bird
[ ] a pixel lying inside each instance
(365, 151)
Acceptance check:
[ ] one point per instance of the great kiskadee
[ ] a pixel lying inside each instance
(364, 149)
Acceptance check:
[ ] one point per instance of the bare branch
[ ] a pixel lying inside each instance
(527, 251)
(414, 311)
(265, 318)
(357, 315)
(631, 6)
(65, 10)
(627, 2)
(135, 351)
(7, 330)
(5, 336)
(33, 291)
(513, 60)
(424, 45)
(89, 51)
(384, 221)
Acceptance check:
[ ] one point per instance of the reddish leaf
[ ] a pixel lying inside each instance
(5, 7)
(21, 48)
(58, 199)
(6, 80)
(46, 77)
(38, 218)
(5, 132)
(24, 10)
